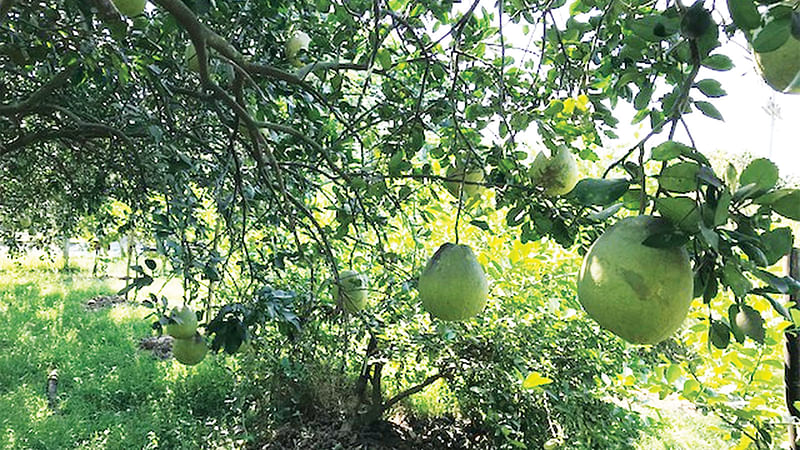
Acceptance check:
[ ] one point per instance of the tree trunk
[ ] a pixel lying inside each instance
(65, 252)
(791, 374)
(128, 264)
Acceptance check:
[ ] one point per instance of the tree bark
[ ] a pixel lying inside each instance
(65, 252)
(791, 374)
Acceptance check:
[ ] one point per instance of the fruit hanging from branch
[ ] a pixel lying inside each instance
(130, 8)
(780, 68)
(453, 285)
(351, 291)
(182, 323)
(472, 176)
(640, 293)
(297, 43)
(189, 351)
(557, 174)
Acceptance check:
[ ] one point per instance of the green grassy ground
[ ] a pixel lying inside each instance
(110, 394)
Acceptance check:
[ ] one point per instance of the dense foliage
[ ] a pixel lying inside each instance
(257, 174)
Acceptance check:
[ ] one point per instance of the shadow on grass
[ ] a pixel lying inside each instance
(110, 394)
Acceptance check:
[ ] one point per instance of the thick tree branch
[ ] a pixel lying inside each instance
(40, 94)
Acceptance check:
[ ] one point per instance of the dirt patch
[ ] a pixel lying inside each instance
(160, 346)
(397, 434)
(104, 301)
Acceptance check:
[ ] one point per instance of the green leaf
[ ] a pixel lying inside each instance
(788, 206)
(669, 150)
(597, 191)
(681, 211)
(385, 59)
(672, 373)
(772, 36)
(762, 172)
(535, 379)
(733, 277)
(710, 88)
(718, 62)
(691, 388)
(709, 110)
(745, 14)
(776, 244)
(680, 177)
(721, 212)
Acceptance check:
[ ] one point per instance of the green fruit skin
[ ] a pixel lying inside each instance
(470, 190)
(641, 294)
(353, 293)
(190, 57)
(189, 351)
(558, 175)
(187, 325)
(780, 68)
(749, 321)
(298, 42)
(453, 285)
(130, 8)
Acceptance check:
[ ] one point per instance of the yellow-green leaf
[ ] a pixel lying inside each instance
(535, 379)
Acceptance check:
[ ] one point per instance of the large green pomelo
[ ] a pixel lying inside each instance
(780, 68)
(185, 323)
(558, 174)
(641, 294)
(189, 351)
(472, 176)
(351, 291)
(453, 285)
(130, 8)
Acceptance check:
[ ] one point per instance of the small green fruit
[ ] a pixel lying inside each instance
(25, 222)
(189, 351)
(351, 291)
(453, 285)
(130, 8)
(298, 42)
(641, 294)
(183, 324)
(751, 323)
(472, 176)
(190, 58)
(780, 68)
(558, 175)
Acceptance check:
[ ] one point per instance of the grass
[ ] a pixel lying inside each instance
(110, 394)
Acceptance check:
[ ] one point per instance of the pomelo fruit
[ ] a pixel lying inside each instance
(557, 174)
(640, 293)
(472, 176)
(351, 291)
(189, 351)
(130, 8)
(299, 41)
(453, 285)
(780, 68)
(183, 323)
